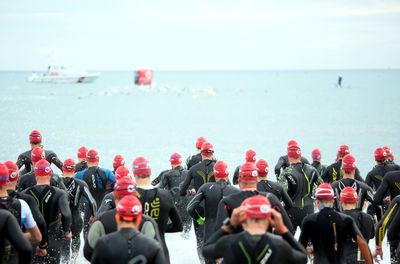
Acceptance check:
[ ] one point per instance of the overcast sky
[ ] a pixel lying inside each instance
(200, 35)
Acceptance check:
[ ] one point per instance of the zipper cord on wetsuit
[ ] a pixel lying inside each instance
(335, 246)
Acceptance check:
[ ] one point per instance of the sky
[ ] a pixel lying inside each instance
(200, 35)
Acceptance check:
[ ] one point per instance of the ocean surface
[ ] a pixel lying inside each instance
(235, 110)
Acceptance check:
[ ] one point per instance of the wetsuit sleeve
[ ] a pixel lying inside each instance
(213, 247)
(368, 179)
(110, 176)
(286, 199)
(294, 251)
(158, 179)
(288, 237)
(79, 174)
(385, 222)
(176, 222)
(96, 231)
(104, 206)
(222, 213)
(325, 176)
(89, 198)
(99, 252)
(278, 166)
(192, 205)
(275, 203)
(358, 176)
(380, 193)
(63, 205)
(164, 182)
(55, 160)
(306, 231)
(20, 160)
(235, 179)
(16, 237)
(186, 183)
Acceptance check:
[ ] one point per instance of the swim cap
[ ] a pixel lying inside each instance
(348, 195)
(348, 163)
(380, 154)
(343, 150)
(248, 172)
(175, 159)
(324, 192)
(388, 152)
(207, 149)
(220, 170)
(200, 141)
(118, 161)
(42, 168)
(294, 151)
(124, 186)
(3, 174)
(129, 208)
(69, 165)
(92, 156)
(12, 171)
(141, 166)
(35, 137)
(257, 207)
(250, 156)
(37, 154)
(292, 143)
(262, 168)
(316, 154)
(121, 172)
(82, 151)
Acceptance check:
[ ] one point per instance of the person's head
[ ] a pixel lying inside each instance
(248, 176)
(92, 158)
(37, 154)
(35, 138)
(207, 151)
(123, 187)
(262, 169)
(257, 211)
(82, 152)
(250, 156)
(324, 196)
(199, 143)
(390, 155)
(43, 172)
(118, 161)
(348, 198)
(13, 175)
(343, 151)
(141, 169)
(380, 155)
(221, 171)
(175, 159)
(316, 155)
(121, 172)
(294, 153)
(129, 212)
(349, 166)
(4, 174)
(68, 168)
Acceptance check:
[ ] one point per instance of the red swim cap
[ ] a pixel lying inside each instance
(92, 156)
(3, 174)
(250, 156)
(294, 151)
(82, 151)
(69, 165)
(343, 150)
(43, 168)
(37, 154)
(12, 170)
(175, 159)
(141, 166)
(380, 154)
(324, 192)
(262, 167)
(348, 195)
(35, 137)
(257, 207)
(389, 152)
(292, 143)
(207, 149)
(124, 186)
(348, 163)
(200, 141)
(220, 170)
(248, 172)
(129, 208)
(316, 154)
(118, 161)
(121, 172)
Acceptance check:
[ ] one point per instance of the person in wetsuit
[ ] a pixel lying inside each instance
(248, 188)
(28, 180)
(390, 222)
(300, 181)
(211, 193)
(194, 159)
(24, 159)
(52, 202)
(333, 172)
(316, 157)
(118, 161)
(76, 190)
(254, 244)
(364, 222)
(283, 161)
(99, 180)
(390, 155)
(157, 203)
(265, 185)
(82, 164)
(106, 222)
(250, 156)
(325, 233)
(128, 245)
(10, 231)
(390, 185)
(364, 192)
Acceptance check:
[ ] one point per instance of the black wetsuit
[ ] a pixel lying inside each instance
(334, 173)
(159, 178)
(227, 204)
(11, 231)
(245, 248)
(107, 203)
(300, 180)
(365, 224)
(390, 222)
(127, 246)
(390, 185)
(364, 192)
(283, 163)
(159, 205)
(80, 166)
(29, 179)
(375, 176)
(320, 229)
(193, 160)
(319, 167)
(52, 202)
(76, 190)
(235, 179)
(107, 224)
(277, 189)
(24, 159)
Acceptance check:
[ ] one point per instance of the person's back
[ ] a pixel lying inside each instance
(283, 163)
(390, 184)
(364, 192)
(375, 176)
(28, 180)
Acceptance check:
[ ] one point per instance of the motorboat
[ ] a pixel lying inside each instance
(63, 74)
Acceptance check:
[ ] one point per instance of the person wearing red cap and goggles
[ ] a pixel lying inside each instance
(255, 216)
(24, 159)
(333, 172)
(53, 203)
(76, 190)
(250, 156)
(390, 185)
(326, 232)
(128, 244)
(81, 155)
(300, 180)
(196, 158)
(118, 161)
(316, 158)
(265, 185)
(283, 161)
(158, 203)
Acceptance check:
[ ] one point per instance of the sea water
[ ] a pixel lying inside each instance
(235, 110)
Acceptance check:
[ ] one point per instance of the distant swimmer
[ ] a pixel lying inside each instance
(339, 81)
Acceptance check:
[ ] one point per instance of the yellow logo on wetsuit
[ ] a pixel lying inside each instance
(153, 209)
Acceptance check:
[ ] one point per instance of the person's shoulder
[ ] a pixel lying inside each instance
(48, 152)
(105, 170)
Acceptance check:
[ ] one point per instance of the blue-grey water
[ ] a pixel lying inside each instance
(235, 110)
